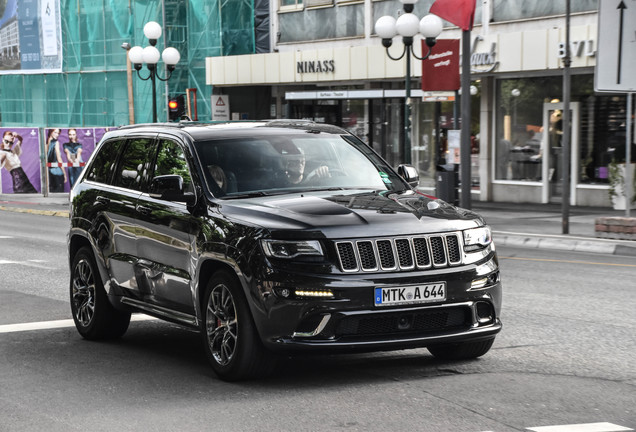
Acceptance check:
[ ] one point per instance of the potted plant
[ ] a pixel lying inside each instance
(616, 178)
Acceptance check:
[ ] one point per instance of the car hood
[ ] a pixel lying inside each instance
(350, 214)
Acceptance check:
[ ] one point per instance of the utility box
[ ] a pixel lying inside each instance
(447, 183)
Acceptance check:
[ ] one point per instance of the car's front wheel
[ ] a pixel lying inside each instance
(94, 316)
(462, 350)
(230, 338)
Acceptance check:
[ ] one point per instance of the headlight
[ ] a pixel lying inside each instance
(291, 248)
(477, 238)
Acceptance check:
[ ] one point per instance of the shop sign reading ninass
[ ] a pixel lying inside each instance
(317, 66)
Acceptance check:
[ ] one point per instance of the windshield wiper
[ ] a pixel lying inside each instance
(247, 195)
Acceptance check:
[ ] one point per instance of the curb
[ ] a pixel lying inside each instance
(505, 238)
(59, 213)
(560, 242)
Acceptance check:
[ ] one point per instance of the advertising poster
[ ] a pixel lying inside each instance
(30, 36)
(67, 150)
(20, 161)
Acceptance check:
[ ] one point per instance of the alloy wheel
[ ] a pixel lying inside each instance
(83, 293)
(221, 324)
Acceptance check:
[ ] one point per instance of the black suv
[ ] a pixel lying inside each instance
(276, 236)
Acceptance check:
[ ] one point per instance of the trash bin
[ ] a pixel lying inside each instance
(447, 183)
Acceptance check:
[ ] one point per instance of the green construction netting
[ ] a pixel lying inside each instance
(92, 89)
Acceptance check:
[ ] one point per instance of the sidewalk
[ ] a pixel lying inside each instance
(519, 225)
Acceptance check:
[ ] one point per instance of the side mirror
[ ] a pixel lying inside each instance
(170, 188)
(409, 173)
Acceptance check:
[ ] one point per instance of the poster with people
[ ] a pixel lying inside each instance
(20, 161)
(66, 152)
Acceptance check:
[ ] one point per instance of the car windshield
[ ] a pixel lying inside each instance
(287, 162)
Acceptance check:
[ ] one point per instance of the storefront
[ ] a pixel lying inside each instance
(516, 125)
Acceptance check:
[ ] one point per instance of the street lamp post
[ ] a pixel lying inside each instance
(408, 25)
(150, 56)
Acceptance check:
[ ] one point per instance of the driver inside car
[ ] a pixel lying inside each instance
(294, 164)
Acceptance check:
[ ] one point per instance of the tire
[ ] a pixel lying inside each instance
(95, 317)
(230, 339)
(462, 350)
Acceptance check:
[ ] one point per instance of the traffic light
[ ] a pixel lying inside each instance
(176, 107)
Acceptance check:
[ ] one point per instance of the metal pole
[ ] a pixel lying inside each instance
(565, 163)
(466, 117)
(407, 109)
(154, 94)
(629, 173)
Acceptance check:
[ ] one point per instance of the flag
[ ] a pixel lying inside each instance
(458, 12)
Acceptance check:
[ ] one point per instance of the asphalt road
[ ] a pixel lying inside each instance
(565, 356)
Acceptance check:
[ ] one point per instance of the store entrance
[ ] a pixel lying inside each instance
(552, 149)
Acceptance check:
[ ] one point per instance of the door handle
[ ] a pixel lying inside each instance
(102, 200)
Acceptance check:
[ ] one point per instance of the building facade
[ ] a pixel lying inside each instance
(327, 65)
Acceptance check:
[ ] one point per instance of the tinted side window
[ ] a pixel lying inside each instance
(135, 161)
(101, 170)
(172, 161)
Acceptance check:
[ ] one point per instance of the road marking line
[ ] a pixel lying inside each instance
(29, 263)
(5, 237)
(567, 261)
(584, 427)
(47, 325)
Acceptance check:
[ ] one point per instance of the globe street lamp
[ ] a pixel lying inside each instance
(408, 25)
(150, 56)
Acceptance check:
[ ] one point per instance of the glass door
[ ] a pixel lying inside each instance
(552, 151)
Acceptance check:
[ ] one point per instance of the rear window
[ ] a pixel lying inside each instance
(103, 165)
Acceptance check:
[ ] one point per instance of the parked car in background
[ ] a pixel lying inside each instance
(271, 237)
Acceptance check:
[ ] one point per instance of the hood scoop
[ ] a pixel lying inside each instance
(310, 205)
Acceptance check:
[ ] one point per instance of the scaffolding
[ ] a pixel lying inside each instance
(92, 88)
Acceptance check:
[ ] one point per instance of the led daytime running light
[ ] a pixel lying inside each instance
(307, 293)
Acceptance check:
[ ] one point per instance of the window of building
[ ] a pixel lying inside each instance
(322, 23)
(524, 131)
(290, 5)
(318, 3)
(507, 10)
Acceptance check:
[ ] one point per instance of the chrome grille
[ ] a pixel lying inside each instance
(403, 253)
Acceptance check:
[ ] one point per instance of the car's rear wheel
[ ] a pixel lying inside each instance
(230, 339)
(462, 350)
(94, 316)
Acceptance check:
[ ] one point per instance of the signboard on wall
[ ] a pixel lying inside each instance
(30, 36)
(23, 158)
(220, 107)
(20, 161)
(440, 71)
(454, 136)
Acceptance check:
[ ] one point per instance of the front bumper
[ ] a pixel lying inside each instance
(351, 322)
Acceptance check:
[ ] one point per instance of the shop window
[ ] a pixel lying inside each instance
(522, 136)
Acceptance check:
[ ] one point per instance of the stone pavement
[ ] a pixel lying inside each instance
(513, 224)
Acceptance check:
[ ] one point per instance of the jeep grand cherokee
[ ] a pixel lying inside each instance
(274, 237)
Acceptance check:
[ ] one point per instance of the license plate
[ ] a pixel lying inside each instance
(410, 294)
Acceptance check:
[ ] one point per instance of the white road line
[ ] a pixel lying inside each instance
(28, 263)
(5, 237)
(47, 325)
(584, 427)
